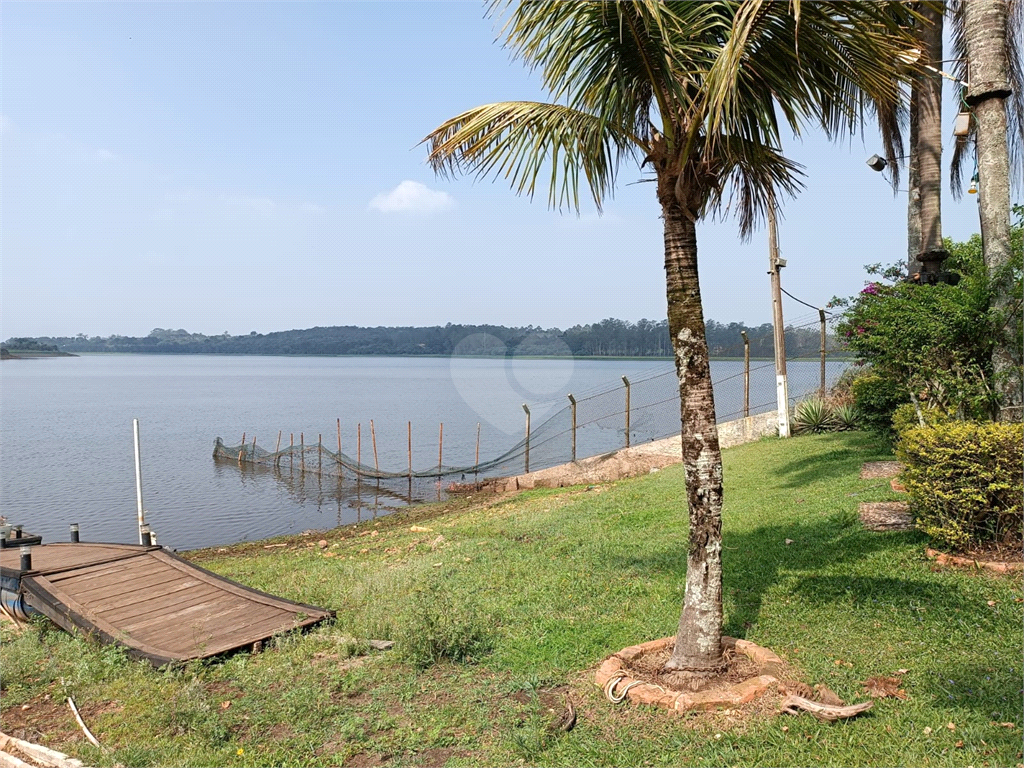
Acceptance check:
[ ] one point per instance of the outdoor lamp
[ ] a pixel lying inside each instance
(973, 189)
(876, 163)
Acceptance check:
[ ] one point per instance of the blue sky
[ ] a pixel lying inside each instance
(255, 167)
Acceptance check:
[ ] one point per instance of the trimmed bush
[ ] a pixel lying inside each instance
(964, 480)
(436, 626)
(876, 399)
(905, 418)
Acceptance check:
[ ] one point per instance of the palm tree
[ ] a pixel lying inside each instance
(991, 29)
(698, 93)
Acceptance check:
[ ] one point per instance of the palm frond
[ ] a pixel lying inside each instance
(518, 140)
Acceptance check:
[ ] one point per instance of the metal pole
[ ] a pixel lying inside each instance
(821, 317)
(746, 374)
(626, 382)
(776, 264)
(74, 533)
(525, 408)
(572, 400)
(138, 478)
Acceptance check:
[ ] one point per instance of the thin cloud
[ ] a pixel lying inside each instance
(412, 197)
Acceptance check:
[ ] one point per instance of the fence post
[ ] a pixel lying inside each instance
(291, 451)
(440, 445)
(319, 453)
(626, 382)
(302, 451)
(341, 466)
(746, 374)
(821, 318)
(526, 408)
(572, 401)
(476, 464)
(373, 437)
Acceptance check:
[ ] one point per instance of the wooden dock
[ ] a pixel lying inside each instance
(160, 607)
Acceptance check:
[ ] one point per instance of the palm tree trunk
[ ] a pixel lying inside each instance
(929, 143)
(698, 648)
(914, 187)
(986, 25)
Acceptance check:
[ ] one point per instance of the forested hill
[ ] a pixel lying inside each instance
(608, 338)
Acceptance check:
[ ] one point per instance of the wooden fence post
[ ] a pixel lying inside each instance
(572, 401)
(302, 451)
(821, 318)
(746, 374)
(476, 463)
(440, 444)
(373, 437)
(526, 408)
(626, 382)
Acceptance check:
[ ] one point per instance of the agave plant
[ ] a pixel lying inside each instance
(845, 417)
(813, 415)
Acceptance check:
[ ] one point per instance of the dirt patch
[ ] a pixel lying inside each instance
(648, 669)
(41, 721)
(719, 692)
(974, 560)
(366, 760)
(873, 470)
(886, 516)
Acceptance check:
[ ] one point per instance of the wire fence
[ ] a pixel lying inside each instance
(591, 423)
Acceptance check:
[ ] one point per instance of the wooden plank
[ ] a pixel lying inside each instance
(47, 558)
(211, 605)
(102, 570)
(225, 641)
(117, 585)
(66, 612)
(238, 589)
(187, 638)
(157, 602)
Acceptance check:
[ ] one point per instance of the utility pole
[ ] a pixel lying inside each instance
(775, 265)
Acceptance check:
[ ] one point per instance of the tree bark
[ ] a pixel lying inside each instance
(929, 143)
(698, 648)
(913, 189)
(986, 25)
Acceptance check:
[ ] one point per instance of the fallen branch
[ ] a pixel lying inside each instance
(81, 722)
(16, 625)
(793, 705)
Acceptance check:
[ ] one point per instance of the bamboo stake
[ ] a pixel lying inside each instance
(476, 463)
(291, 450)
(440, 443)
(409, 430)
(359, 446)
(302, 451)
(320, 453)
(527, 409)
(277, 449)
(373, 438)
(572, 400)
(341, 466)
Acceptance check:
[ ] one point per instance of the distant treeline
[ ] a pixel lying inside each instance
(608, 338)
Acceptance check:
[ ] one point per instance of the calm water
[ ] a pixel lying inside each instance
(66, 450)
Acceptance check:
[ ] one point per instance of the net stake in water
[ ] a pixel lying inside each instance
(373, 439)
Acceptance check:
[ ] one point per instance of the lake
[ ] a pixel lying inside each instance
(67, 456)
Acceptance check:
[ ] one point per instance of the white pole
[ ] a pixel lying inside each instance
(781, 384)
(138, 479)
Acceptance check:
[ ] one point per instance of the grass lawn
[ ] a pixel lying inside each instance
(536, 590)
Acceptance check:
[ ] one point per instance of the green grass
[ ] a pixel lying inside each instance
(521, 600)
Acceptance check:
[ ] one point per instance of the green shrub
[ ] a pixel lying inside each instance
(964, 480)
(436, 627)
(876, 399)
(905, 417)
(813, 415)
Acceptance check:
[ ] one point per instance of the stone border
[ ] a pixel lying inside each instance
(640, 692)
(954, 561)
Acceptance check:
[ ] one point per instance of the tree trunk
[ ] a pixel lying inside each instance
(986, 25)
(913, 189)
(698, 648)
(929, 143)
